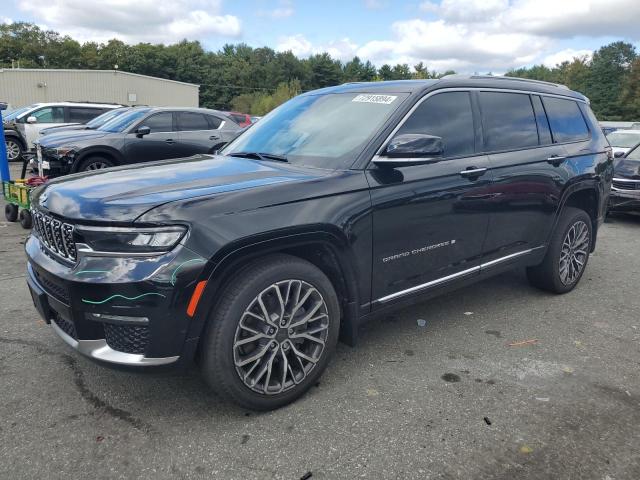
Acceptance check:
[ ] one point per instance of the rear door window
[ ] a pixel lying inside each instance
(446, 115)
(508, 121)
(214, 122)
(83, 115)
(566, 120)
(191, 121)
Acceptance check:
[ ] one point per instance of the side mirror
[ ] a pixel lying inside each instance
(411, 149)
(32, 119)
(142, 131)
(618, 154)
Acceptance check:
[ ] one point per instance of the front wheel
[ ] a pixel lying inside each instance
(272, 333)
(95, 163)
(567, 254)
(14, 149)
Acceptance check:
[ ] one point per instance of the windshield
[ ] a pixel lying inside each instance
(326, 131)
(623, 140)
(14, 113)
(634, 154)
(124, 121)
(105, 117)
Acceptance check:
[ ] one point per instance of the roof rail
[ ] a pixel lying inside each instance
(91, 102)
(500, 77)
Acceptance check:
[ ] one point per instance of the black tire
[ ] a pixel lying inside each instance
(25, 219)
(549, 275)
(14, 149)
(217, 360)
(11, 212)
(95, 163)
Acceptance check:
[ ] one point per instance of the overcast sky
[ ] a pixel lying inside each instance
(463, 35)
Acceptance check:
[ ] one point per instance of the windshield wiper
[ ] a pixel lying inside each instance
(260, 156)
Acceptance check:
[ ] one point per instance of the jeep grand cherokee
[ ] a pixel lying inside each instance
(338, 205)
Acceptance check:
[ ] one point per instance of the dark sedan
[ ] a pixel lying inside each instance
(625, 191)
(142, 134)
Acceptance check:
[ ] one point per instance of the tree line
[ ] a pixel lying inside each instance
(255, 80)
(610, 79)
(237, 77)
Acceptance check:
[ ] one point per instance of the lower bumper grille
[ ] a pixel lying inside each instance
(66, 326)
(52, 287)
(127, 338)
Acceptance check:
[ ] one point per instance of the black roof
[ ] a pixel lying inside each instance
(455, 81)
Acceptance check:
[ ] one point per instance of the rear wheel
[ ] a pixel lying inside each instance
(11, 212)
(94, 163)
(272, 333)
(14, 149)
(567, 255)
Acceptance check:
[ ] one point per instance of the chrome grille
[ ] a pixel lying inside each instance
(626, 184)
(57, 236)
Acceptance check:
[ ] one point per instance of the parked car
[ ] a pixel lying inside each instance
(623, 140)
(22, 127)
(339, 205)
(625, 190)
(90, 125)
(241, 119)
(142, 134)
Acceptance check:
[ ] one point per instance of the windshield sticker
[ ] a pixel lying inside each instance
(369, 98)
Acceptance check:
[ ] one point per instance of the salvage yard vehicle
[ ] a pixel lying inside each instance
(623, 140)
(142, 134)
(22, 127)
(625, 190)
(338, 205)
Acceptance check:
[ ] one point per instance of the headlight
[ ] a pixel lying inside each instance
(129, 240)
(62, 152)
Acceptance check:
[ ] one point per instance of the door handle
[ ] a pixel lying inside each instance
(473, 172)
(170, 141)
(556, 160)
(214, 137)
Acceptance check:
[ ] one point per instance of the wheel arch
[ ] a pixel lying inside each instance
(585, 196)
(325, 248)
(107, 152)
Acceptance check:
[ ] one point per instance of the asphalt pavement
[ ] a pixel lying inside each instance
(494, 381)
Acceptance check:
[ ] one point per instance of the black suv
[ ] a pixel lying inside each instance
(338, 205)
(141, 134)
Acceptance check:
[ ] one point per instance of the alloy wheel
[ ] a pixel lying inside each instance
(574, 253)
(96, 166)
(13, 150)
(281, 337)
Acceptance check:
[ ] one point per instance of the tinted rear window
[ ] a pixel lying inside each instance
(566, 120)
(508, 121)
(445, 115)
(190, 122)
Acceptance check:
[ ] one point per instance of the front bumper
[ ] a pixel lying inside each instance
(625, 194)
(118, 311)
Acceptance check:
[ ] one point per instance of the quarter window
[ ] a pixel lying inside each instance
(446, 115)
(190, 121)
(160, 122)
(566, 120)
(214, 122)
(508, 121)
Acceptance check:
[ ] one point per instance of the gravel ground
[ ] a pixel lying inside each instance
(450, 399)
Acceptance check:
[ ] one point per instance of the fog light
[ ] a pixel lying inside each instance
(104, 317)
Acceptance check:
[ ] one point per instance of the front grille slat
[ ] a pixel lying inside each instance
(56, 235)
(620, 185)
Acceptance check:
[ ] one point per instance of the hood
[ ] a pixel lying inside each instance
(63, 128)
(626, 168)
(66, 137)
(122, 194)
